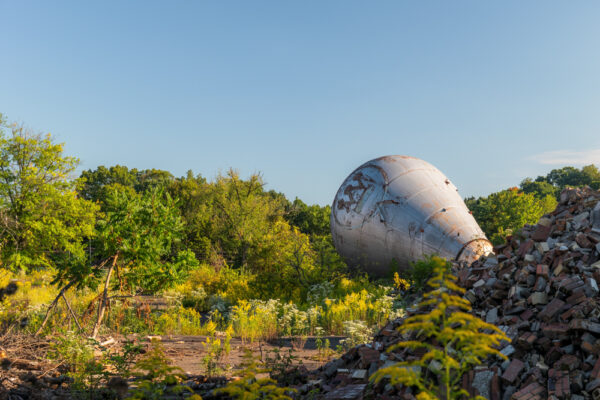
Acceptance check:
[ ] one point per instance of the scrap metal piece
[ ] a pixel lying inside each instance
(399, 209)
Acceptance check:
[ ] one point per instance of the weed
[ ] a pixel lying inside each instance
(123, 362)
(157, 377)
(249, 387)
(324, 350)
(401, 283)
(453, 339)
(77, 354)
(357, 332)
(214, 353)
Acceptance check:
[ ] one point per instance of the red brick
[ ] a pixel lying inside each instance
(541, 233)
(529, 392)
(495, 388)
(542, 270)
(555, 331)
(513, 370)
(525, 315)
(567, 362)
(583, 241)
(551, 309)
(589, 348)
(367, 356)
(525, 247)
(595, 371)
(577, 297)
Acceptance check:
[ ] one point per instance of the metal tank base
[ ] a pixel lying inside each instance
(395, 210)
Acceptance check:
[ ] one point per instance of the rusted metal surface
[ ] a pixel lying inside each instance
(398, 209)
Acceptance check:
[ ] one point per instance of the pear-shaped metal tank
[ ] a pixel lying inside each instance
(398, 209)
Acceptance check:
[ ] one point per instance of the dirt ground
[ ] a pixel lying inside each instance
(26, 373)
(187, 352)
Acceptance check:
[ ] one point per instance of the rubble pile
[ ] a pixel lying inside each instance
(542, 289)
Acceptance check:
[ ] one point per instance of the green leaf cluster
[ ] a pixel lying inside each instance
(454, 340)
(43, 221)
(504, 213)
(142, 230)
(158, 378)
(249, 387)
(557, 179)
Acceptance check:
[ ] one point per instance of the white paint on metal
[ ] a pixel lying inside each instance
(398, 209)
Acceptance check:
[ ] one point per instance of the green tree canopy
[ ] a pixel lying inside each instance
(139, 231)
(503, 213)
(559, 178)
(136, 234)
(96, 183)
(312, 220)
(43, 222)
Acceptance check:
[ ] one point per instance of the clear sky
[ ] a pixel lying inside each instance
(306, 91)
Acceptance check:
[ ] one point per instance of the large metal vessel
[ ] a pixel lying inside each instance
(395, 210)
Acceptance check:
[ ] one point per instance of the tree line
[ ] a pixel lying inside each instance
(141, 231)
(503, 213)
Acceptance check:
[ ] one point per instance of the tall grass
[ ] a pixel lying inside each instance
(329, 307)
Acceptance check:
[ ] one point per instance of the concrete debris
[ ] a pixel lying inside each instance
(541, 289)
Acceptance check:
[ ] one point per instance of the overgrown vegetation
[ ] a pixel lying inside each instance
(454, 340)
(250, 387)
(503, 213)
(227, 258)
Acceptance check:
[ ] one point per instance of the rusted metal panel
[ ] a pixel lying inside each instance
(402, 208)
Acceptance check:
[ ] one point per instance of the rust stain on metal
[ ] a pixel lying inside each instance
(420, 213)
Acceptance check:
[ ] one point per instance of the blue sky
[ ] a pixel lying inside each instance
(306, 91)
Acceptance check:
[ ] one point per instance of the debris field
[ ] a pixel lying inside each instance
(541, 289)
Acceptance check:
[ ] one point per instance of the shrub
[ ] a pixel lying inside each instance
(78, 355)
(357, 332)
(255, 319)
(422, 270)
(158, 378)
(454, 340)
(249, 387)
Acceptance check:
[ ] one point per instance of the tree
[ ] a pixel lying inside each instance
(96, 183)
(540, 189)
(137, 233)
(312, 220)
(503, 213)
(196, 207)
(93, 182)
(43, 221)
(559, 178)
(242, 217)
(454, 340)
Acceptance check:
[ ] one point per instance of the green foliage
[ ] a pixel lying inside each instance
(420, 273)
(283, 366)
(141, 230)
(454, 340)
(503, 213)
(96, 184)
(356, 332)
(43, 223)
(323, 345)
(78, 355)
(249, 387)
(215, 351)
(233, 223)
(558, 179)
(373, 308)
(157, 377)
(540, 189)
(312, 220)
(123, 362)
(255, 319)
